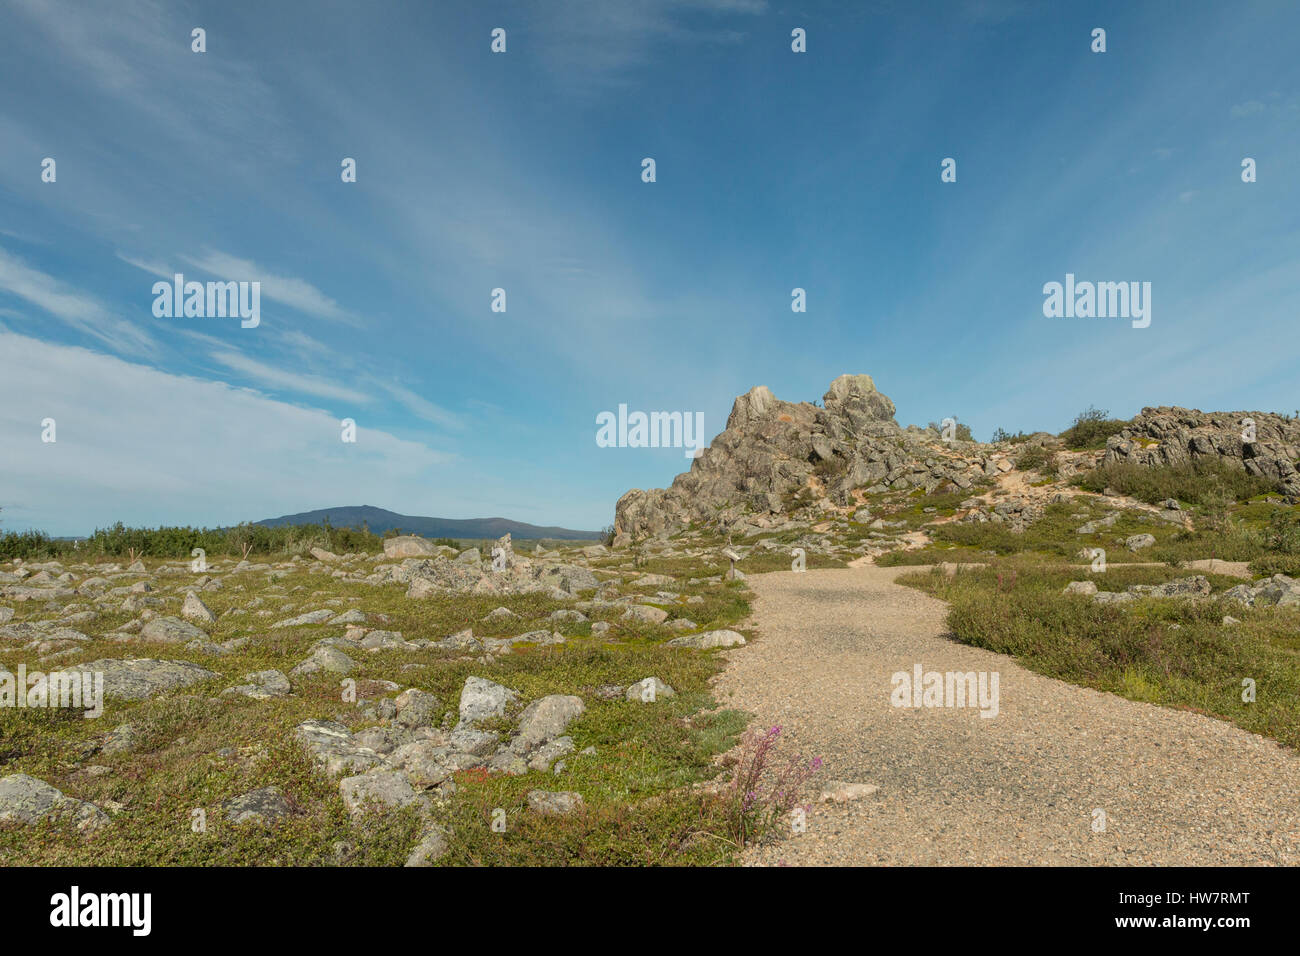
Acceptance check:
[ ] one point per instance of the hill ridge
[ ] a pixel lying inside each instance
(380, 520)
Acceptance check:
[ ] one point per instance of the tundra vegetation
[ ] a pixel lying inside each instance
(324, 696)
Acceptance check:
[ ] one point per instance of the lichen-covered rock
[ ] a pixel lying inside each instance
(142, 678)
(482, 699)
(1185, 435)
(553, 803)
(26, 800)
(709, 639)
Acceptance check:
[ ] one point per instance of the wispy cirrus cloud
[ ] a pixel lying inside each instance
(282, 379)
(76, 308)
(594, 39)
(421, 407)
(297, 294)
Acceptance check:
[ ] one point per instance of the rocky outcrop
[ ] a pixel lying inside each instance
(1177, 436)
(771, 450)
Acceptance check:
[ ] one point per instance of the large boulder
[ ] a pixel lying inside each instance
(26, 800)
(482, 699)
(142, 678)
(408, 546)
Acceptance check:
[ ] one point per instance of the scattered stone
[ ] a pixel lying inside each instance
(415, 708)
(1277, 590)
(554, 803)
(171, 630)
(1139, 541)
(1092, 527)
(265, 807)
(545, 719)
(1112, 597)
(471, 741)
(709, 639)
(121, 739)
(408, 546)
(549, 753)
(195, 610)
(142, 678)
(481, 700)
(431, 848)
(325, 659)
(568, 614)
(311, 617)
(646, 613)
(26, 800)
(261, 685)
(388, 788)
(1085, 588)
(333, 747)
(839, 791)
(648, 690)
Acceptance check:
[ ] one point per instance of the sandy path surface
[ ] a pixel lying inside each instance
(1018, 788)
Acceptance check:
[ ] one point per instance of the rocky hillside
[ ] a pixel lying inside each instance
(1174, 436)
(780, 464)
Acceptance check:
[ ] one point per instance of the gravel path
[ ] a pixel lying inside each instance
(1020, 788)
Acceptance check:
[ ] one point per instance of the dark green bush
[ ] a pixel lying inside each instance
(1033, 456)
(1205, 482)
(1091, 428)
(119, 540)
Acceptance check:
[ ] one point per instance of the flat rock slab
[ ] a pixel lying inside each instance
(171, 630)
(554, 803)
(142, 678)
(377, 790)
(709, 639)
(265, 807)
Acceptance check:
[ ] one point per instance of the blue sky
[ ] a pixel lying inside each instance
(522, 170)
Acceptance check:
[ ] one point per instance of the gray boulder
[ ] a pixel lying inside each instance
(481, 699)
(648, 690)
(709, 639)
(195, 610)
(264, 807)
(1139, 541)
(325, 659)
(261, 685)
(545, 719)
(408, 546)
(381, 788)
(142, 678)
(554, 803)
(171, 630)
(26, 800)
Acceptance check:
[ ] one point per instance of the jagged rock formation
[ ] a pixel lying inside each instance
(780, 465)
(771, 450)
(1182, 435)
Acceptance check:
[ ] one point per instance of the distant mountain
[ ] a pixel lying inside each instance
(378, 521)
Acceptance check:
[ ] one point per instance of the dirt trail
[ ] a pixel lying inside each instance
(1018, 788)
